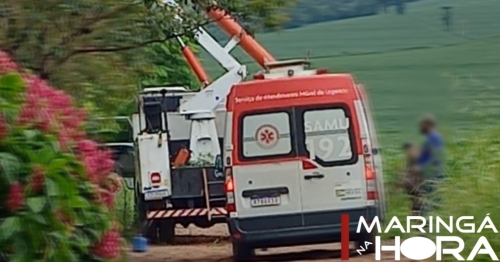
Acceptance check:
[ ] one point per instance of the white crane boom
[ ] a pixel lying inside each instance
(208, 98)
(200, 108)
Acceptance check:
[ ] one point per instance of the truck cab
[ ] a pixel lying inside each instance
(179, 126)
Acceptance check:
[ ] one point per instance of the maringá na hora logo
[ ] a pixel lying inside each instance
(418, 247)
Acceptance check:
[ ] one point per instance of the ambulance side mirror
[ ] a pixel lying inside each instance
(218, 163)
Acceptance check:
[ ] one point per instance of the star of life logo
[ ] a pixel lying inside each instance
(421, 248)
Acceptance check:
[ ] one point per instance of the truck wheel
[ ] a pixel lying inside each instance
(367, 237)
(202, 222)
(152, 232)
(242, 253)
(149, 228)
(167, 231)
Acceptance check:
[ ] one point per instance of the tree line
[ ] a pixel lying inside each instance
(315, 11)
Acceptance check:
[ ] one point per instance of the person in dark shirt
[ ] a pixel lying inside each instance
(430, 162)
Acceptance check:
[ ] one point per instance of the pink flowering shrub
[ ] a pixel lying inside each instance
(56, 192)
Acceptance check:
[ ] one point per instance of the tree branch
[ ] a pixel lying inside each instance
(43, 71)
(19, 34)
(98, 18)
(120, 48)
(79, 31)
(87, 50)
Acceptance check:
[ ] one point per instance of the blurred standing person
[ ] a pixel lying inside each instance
(412, 178)
(431, 162)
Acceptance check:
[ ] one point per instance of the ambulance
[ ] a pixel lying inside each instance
(300, 150)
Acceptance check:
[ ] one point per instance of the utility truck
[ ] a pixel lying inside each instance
(170, 121)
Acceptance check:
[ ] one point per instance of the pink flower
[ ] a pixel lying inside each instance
(27, 115)
(78, 135)
(109, 246)
(107, 165)
(6, 63)
(37, 179)
(87, 146)
(98, 163)
(64, 139)
(91, 164)
(81, 115)
(61, 99)
(15, 197)
(51, 111)
(107, 198)
(45, 121)
(31, 99)
(4, 127)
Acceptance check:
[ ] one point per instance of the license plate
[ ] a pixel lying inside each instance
(265, 201)
(156, 195)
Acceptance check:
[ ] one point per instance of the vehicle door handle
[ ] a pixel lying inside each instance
(314, 176)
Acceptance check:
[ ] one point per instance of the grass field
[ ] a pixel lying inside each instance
(459, 83)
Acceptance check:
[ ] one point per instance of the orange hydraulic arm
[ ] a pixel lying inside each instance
(194, 63)
(246, 41)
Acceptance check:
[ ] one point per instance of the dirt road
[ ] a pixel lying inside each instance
(212, 245)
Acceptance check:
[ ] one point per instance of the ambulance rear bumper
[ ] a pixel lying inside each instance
(297, 229)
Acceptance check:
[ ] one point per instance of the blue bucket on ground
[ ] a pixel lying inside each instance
(139, 244)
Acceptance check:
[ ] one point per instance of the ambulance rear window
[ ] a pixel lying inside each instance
(326, 135)
(266, 135)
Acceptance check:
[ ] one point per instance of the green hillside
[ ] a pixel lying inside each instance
(420, 27)
(460, 83)
(409, 63)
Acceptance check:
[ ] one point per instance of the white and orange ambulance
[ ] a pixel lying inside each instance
(299, 151)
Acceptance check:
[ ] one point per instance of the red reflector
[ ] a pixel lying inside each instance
(259, 77)
(321, 71)
(155, 178)
(307, 165)
(229, 185)
(372, 195)
(369, 174)
(231, 208)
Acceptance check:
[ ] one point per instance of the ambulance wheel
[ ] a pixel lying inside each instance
(367, 237)
(167, 231)
(242, 253)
